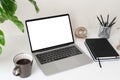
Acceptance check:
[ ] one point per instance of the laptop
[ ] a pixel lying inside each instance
(52, 44)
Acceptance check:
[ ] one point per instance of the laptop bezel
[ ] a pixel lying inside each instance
(52, 47)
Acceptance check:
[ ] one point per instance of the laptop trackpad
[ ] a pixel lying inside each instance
(74, 61)
(65, 64)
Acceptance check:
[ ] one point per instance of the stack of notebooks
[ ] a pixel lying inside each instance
(101, 49)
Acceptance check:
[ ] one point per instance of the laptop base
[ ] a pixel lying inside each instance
(64, 64)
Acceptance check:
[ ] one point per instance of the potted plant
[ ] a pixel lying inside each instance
(7, 12)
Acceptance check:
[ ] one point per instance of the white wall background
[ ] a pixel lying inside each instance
(82, 12)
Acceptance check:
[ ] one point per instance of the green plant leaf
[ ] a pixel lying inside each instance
(17, 22)
(35, 5)
(0, 49)
(2, 19)
(2, 39)
(9, 6)
(3, 15)
(7, 12)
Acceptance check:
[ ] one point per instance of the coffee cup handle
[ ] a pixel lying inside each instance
(16, 71)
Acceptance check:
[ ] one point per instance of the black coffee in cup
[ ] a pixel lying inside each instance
(23, 61)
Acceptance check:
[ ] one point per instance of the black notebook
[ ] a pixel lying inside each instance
(101, 49)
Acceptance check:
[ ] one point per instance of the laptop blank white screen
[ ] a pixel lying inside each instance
(48, 32)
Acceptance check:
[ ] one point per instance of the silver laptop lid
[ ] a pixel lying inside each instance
(49, 32)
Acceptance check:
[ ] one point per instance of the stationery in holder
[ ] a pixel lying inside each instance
(101, 49)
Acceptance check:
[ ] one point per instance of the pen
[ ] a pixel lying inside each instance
(102, 20)
(112, 21)
(99, 21)
(107, 23)
(112, 24)
(107, 20)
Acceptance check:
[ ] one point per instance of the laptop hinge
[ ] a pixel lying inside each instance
(54, 47)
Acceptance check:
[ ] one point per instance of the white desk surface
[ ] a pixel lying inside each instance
(16, 44)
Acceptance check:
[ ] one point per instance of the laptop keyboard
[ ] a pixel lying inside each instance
(57, 54)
